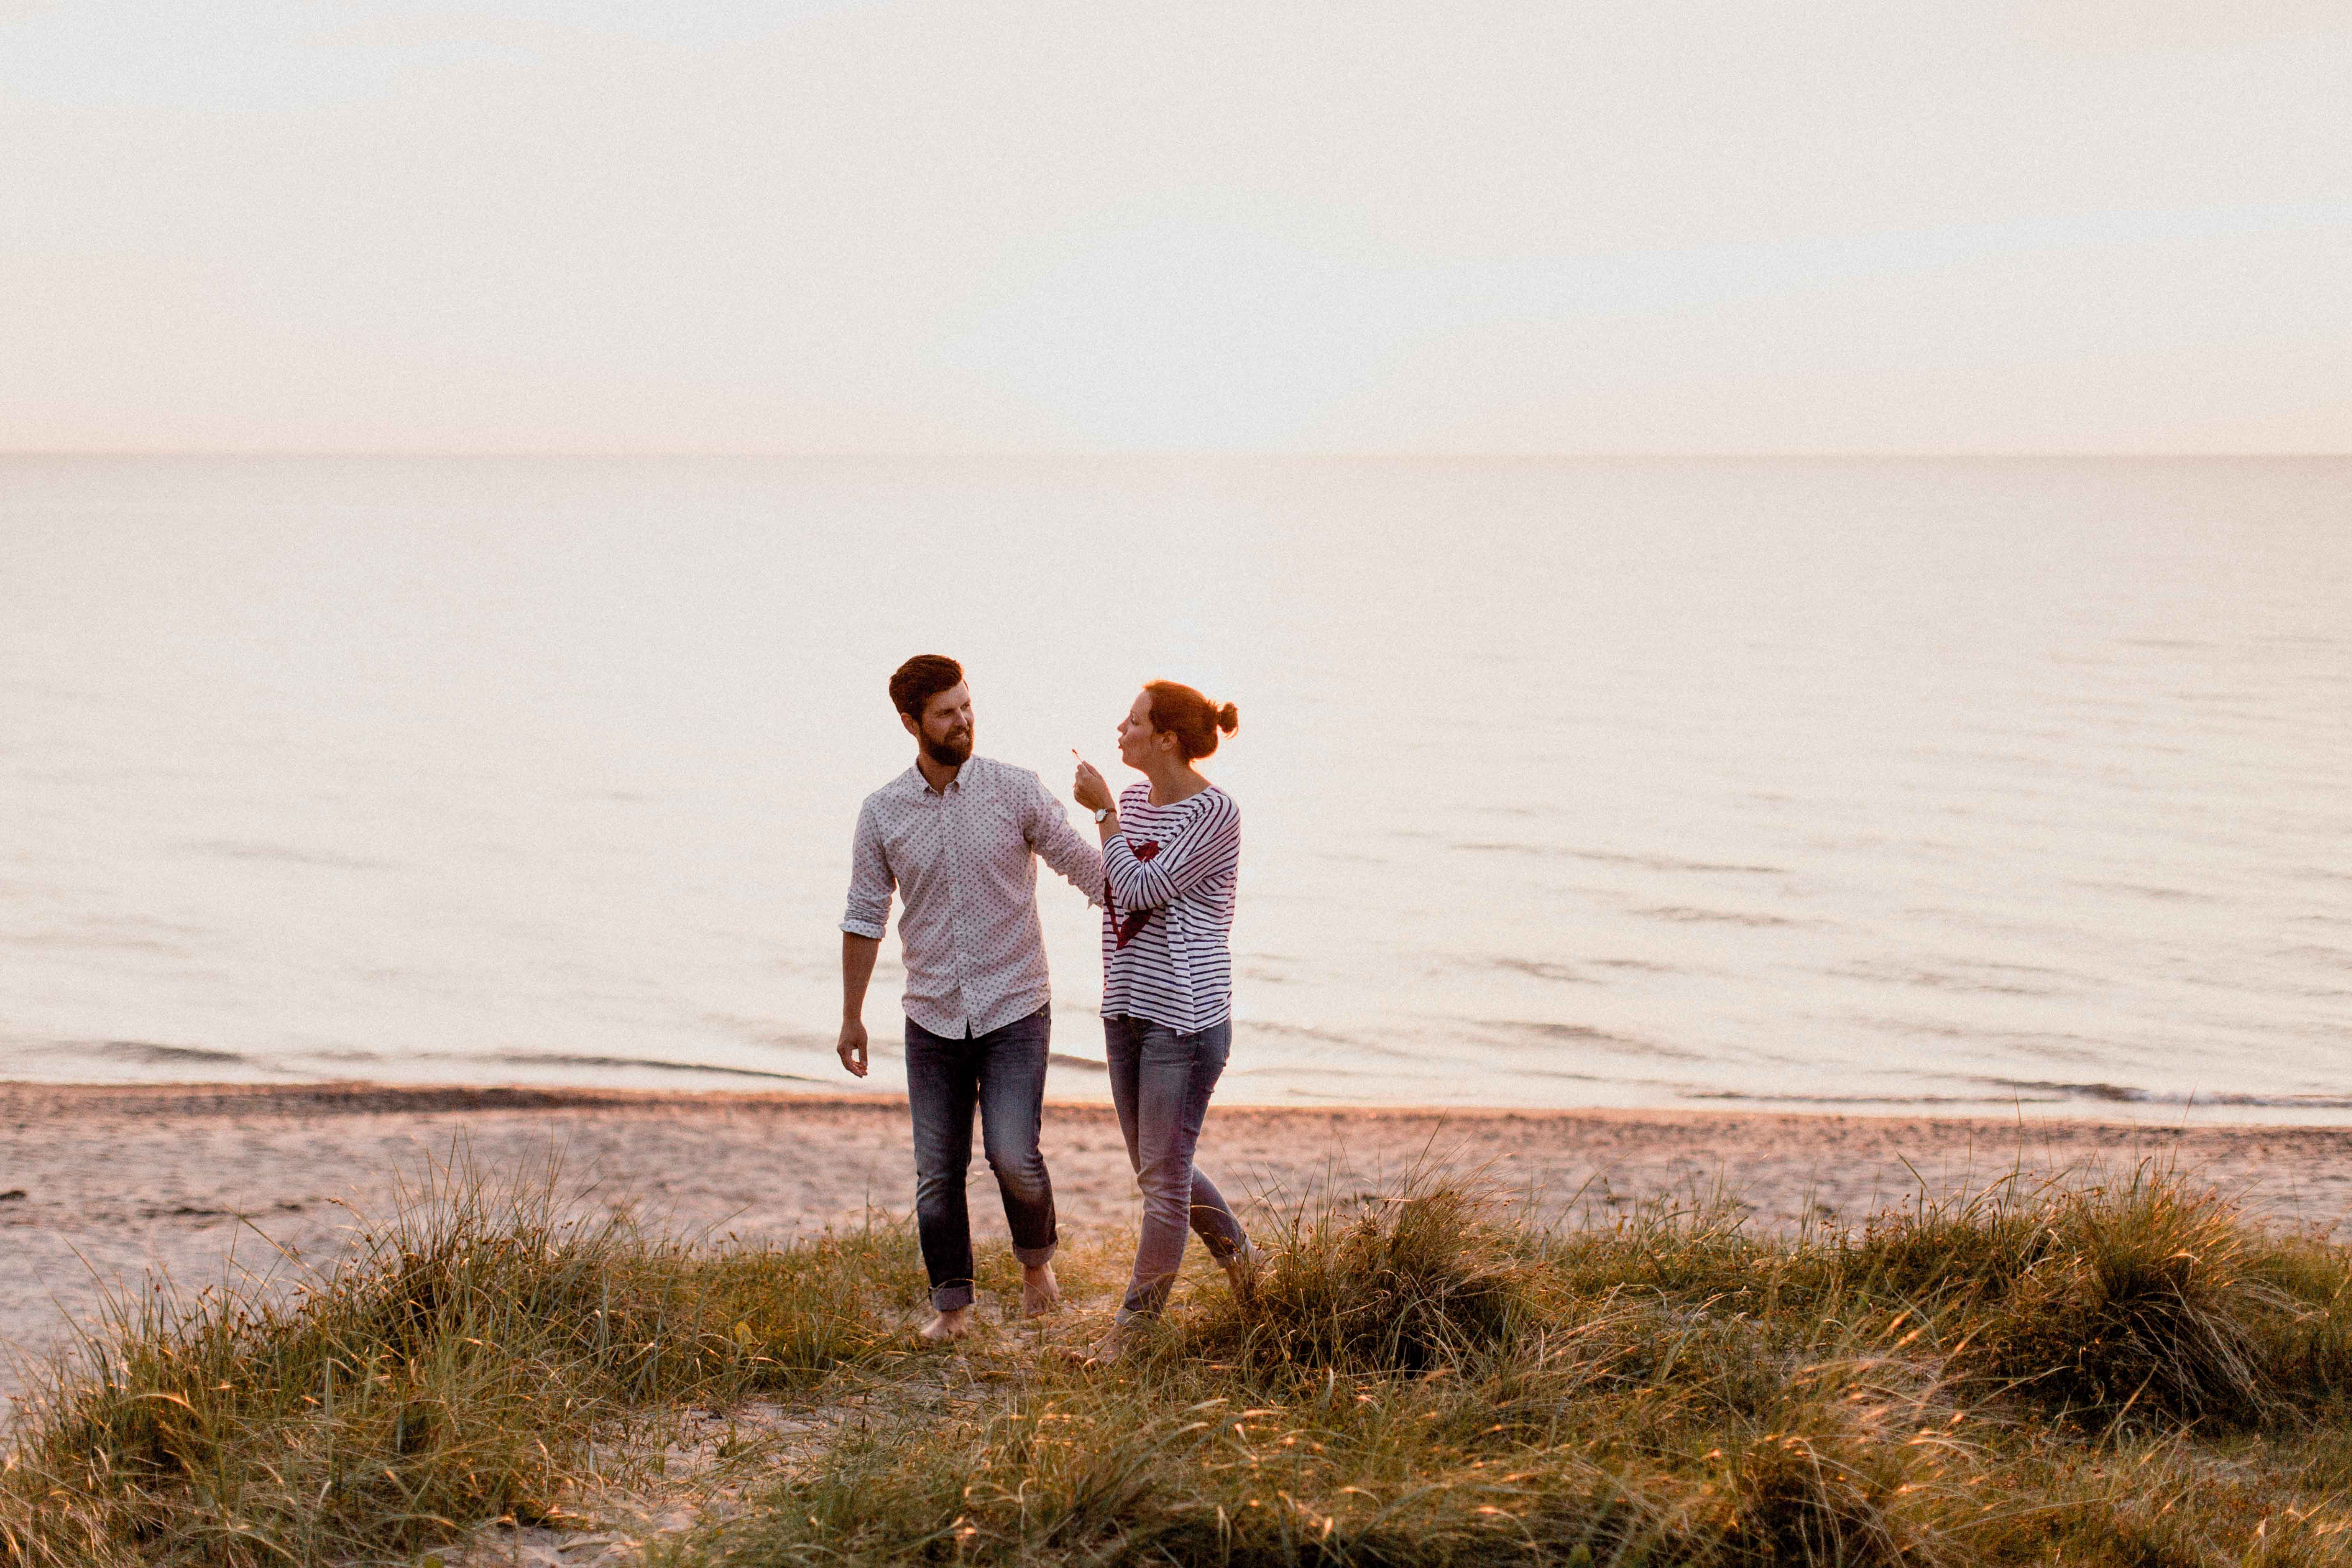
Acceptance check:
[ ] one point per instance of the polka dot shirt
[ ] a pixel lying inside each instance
(962, 861)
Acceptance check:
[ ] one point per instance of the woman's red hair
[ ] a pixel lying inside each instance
(1191, 717)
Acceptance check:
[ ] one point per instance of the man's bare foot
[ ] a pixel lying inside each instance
(952, 1323)
(1040, 1292)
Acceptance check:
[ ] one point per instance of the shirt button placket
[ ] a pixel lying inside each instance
(948, 845)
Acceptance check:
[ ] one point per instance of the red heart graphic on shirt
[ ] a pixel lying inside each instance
(1145, 850)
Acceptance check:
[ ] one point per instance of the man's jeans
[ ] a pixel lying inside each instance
(1003, 1073)
(1160, 1081)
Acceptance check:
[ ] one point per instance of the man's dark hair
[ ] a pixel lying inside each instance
(919, 679)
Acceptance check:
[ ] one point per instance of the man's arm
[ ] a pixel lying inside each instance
(856, 968)
(1058, 844)
(862, 923)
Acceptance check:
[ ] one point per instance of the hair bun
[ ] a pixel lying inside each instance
(1229, 717)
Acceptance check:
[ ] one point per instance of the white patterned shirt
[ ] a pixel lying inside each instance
(1173, 872)
(963, 863)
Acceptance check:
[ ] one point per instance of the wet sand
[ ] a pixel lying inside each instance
(102, 1185)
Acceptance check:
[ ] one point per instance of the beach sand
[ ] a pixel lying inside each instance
(104, 1185)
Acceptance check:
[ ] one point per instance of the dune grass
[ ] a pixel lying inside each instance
(458, 1366)
(2113, 1373)
(2120, 1374)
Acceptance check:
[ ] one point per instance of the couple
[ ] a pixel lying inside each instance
(957, 837)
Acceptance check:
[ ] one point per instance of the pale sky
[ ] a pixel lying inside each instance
(703, 225)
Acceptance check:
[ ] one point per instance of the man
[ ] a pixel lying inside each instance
(956, 835)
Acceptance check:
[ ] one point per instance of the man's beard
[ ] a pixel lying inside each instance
(951, 752)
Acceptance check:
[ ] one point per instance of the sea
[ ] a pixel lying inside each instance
(2004, 787)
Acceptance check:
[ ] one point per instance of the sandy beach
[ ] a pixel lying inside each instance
(99, 1185)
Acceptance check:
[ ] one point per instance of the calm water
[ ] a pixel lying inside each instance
(1968, 784)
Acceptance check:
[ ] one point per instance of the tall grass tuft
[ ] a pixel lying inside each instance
(2145, 1298)
(1406, 1282)
(456, 1367)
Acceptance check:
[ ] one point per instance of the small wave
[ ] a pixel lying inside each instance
(1939, 980)
(1541, 970)
(1684, 912)
(1668, 863)
(1276, 1069)
(1585, 1034)
(145, 1051)
(517, 1059)
(2144, 890)
(1563, 1073)
(2124, 1094)
(1297, 1031)
(1324, 1036)
(1055, 1059)
(1616, 858)
(70, 939)
(282, 853)
(764, 1032)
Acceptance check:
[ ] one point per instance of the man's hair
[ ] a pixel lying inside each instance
(919, 679)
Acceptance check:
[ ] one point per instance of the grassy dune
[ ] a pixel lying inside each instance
(2119, 1372)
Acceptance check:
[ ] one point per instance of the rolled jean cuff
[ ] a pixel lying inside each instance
(1030, 1256)
(951, 1298)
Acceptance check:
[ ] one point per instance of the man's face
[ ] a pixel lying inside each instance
(945, 733)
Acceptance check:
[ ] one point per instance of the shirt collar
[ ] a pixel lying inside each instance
(912, 782)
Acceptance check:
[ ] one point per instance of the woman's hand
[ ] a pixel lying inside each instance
(1089, 789)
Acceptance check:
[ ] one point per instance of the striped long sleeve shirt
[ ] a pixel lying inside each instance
(1177, 867)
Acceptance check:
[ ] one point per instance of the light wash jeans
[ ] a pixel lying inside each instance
(1001, 1074)
(1160, 1081)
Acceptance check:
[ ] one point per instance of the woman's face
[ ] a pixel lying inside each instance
(1135, 733)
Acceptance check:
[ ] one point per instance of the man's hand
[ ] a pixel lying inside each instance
(852, 1049)
(1089, 789)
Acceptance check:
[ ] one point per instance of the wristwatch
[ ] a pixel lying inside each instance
(1103, 812)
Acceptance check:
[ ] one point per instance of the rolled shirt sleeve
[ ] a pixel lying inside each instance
(1060, 845)
(867, 913)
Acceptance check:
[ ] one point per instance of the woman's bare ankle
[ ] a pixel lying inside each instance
(951, 1323)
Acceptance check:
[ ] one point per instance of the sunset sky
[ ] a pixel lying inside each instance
(581, 225)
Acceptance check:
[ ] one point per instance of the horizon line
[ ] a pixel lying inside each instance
(1221, 454)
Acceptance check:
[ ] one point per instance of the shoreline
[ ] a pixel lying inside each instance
(104, 1187)
(365, 1096)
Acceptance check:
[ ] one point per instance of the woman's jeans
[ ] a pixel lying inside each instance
(1160, 1081)
(1003, 1073)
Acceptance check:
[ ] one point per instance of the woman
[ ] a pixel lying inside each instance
(1171, 852)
